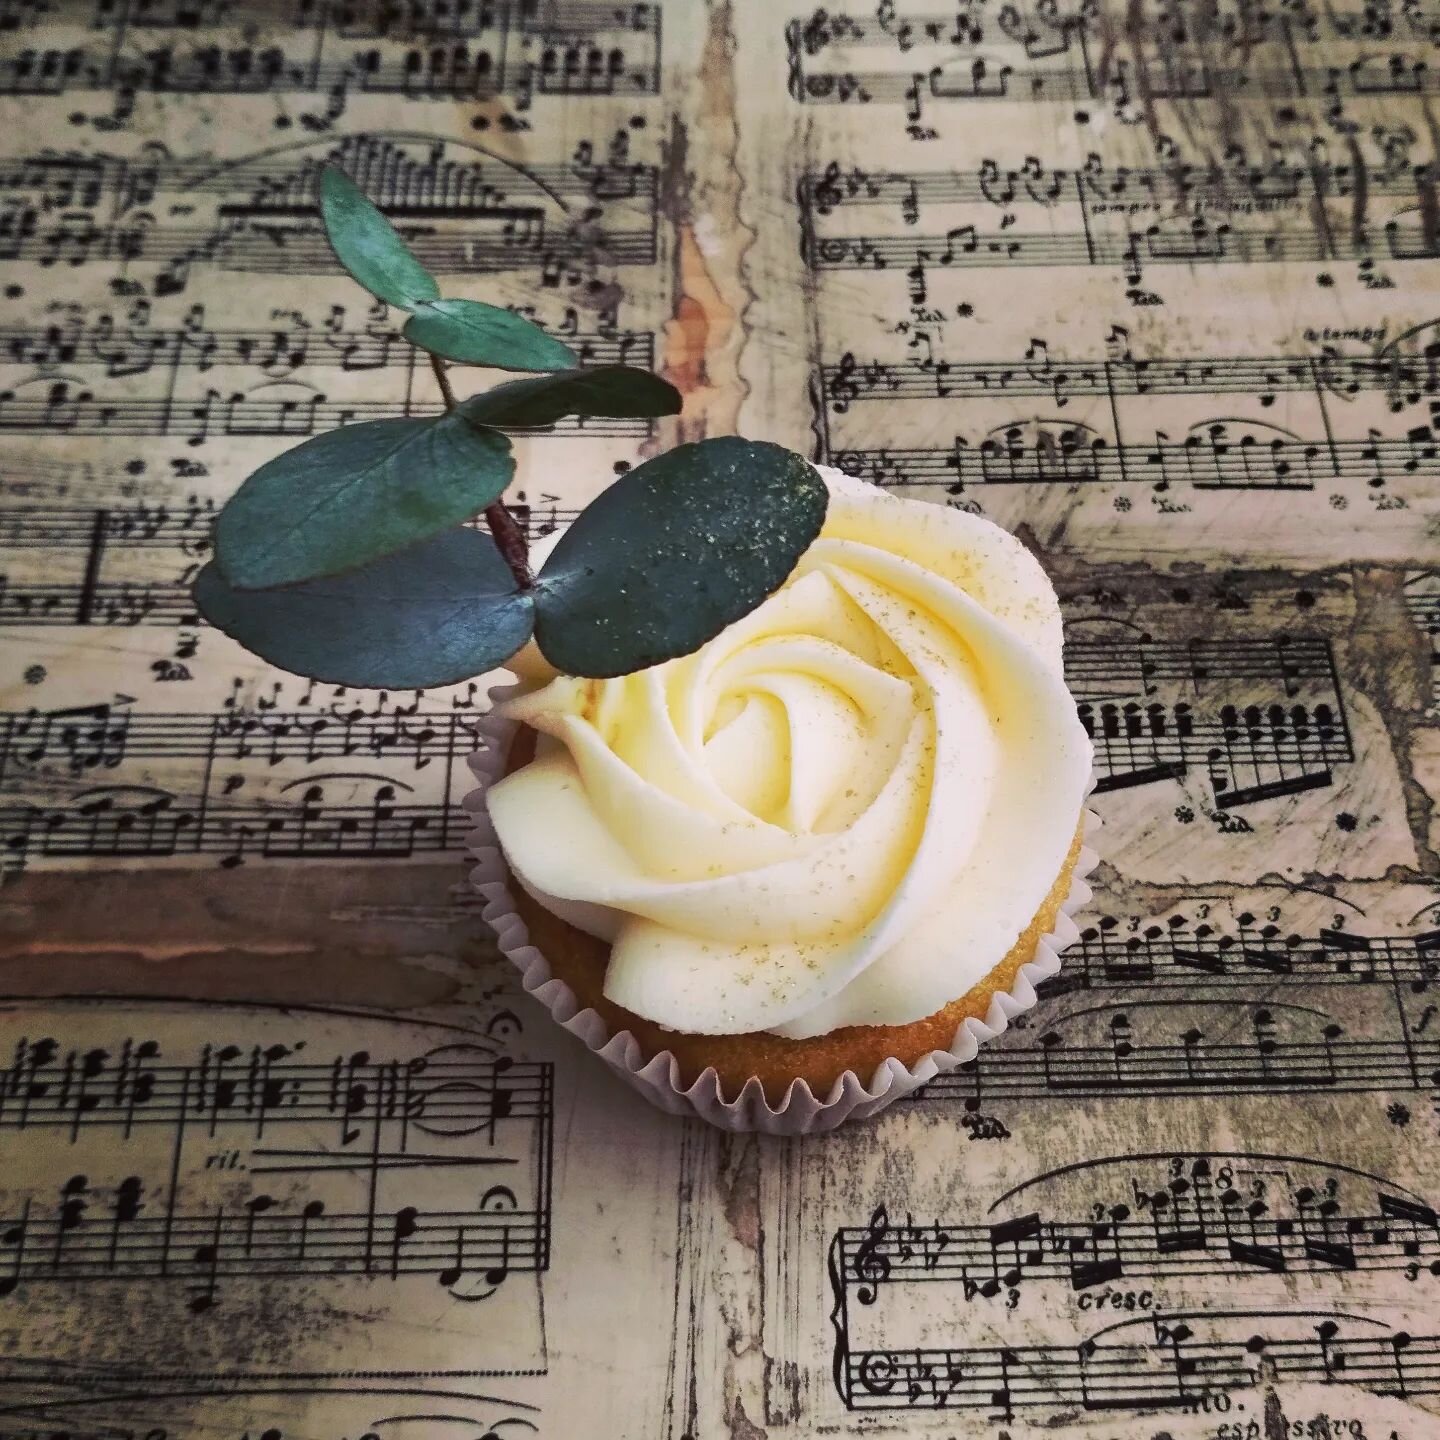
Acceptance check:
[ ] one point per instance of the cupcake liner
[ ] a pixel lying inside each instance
(657, 1077)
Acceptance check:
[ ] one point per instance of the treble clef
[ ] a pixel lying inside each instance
(871, 1267)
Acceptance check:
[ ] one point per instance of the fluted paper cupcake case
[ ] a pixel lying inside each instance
(657, 1077)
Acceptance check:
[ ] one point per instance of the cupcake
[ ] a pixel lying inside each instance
(817, 808)
(814, 858)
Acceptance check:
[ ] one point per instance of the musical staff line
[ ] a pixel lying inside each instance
(141, 822)
(126, 350)
(1196, 241)
(1183, 956)
(467, 187)
(260, 1088)
(348, 812)
(1041, 30)
(517, 48)
(983, 1260)
(1123, 86)
(89, 737)
(1049, 1067)
(260, 1241)
(1117, 1376)
(1103, 188)
(298, 246)
(65, 408)
(1215, 458)
(1404, 378)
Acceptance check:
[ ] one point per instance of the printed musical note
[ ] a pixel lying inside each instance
(390, 1120)
(1039, 54)
(1195, 1229)
(480, 52)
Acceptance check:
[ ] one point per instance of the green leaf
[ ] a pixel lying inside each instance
(366, 244)
(354, 494)
(431, 615)
(611, 390)
(674, 552)
(476, 334)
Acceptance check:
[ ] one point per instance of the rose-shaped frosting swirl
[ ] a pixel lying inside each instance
(843, 810)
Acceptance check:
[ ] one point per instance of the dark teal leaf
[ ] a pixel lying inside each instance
(477, 334)
(434, 614)
(354, 494)
(366, 244)
(611, 390)
(674, 552)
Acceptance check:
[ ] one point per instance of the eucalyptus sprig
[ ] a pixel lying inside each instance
(349, 558)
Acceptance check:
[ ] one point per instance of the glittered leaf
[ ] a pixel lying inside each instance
(434, 614)
(477, 334)
(674, 552)
(366, 244)
(610, 390)
(354, 494)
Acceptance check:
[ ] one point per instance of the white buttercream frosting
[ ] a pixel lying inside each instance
(843, 810)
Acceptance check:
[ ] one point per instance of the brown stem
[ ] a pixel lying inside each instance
(509, 537)
(511, 540)
(442, 379)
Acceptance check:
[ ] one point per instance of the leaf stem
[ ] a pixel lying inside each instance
(442, 379)
(504, 528)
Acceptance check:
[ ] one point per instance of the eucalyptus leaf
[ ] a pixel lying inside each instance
(610, 390)
(673, 552)
(434, 614)
(476, 334)
(351, 495)
(367, 245)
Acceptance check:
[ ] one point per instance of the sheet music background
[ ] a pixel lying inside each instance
(1152, 284)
